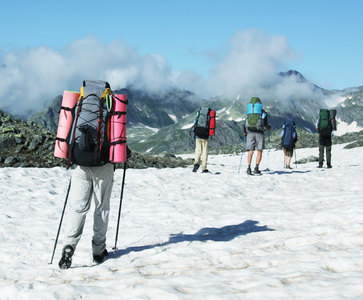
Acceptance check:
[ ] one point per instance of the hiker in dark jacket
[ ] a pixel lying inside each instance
(324, 143)
(201, 132)
(255, 139)
(288, 140)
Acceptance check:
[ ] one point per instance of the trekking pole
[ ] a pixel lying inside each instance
(268, 150)
(243, 147)
(284, 158)
(60, 223)
(295, 160)
(119, 210)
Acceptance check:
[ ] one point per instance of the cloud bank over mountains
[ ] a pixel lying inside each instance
(249, 65)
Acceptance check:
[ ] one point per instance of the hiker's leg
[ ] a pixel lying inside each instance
(321, 154)
(260, 143)
(249, 157)
(198, 151)
(79, 205)
(328, 155)
(205, 144)
(288, 154)
(103, 181)
(250, 146)
(258, 157)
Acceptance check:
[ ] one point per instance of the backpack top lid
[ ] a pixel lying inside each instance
(98, 88)
(255, 100)
(324, 113)
(254, 107)
(204, 110)
(289, 122)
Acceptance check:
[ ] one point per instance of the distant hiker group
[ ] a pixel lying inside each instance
(254, 126)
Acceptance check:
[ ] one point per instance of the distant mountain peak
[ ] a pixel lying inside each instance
(295, 73)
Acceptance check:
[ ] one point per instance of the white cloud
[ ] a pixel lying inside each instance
(252, 62)
(33, 77)
(248, 66)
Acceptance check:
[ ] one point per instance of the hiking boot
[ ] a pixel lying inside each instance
(205, 171)
(98, 258)
(288, 167)
(257, 171)
(66, 260)
(249, 172)
(196, 167)
(320, 165)
(329, 166)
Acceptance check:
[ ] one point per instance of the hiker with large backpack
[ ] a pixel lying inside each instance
(288, 140)
(253, 127)
(204, 127)
(325, 126)
(91, 154)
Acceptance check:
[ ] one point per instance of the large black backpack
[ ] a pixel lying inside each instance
(201, 123)
(289, 137)
(88, 138)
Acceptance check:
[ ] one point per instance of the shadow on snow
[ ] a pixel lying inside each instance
(223, 234)
(288, 172)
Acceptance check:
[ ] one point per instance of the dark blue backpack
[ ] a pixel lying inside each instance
(289, 136)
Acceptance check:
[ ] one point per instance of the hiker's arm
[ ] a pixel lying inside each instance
(267, 126)
(244, 127)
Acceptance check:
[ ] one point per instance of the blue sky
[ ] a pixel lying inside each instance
(188, 41)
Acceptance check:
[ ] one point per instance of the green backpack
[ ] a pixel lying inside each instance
(324, 120)
(254, 120)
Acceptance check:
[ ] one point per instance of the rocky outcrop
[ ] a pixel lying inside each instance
(24, 144)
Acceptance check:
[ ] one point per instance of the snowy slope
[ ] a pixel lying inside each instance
(284, 235)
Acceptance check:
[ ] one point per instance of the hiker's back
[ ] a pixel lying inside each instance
(89, 136)
(289, 136)
(324, 124)
(201, 123)
(255, 115)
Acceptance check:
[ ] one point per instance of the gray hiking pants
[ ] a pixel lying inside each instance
(88, 182)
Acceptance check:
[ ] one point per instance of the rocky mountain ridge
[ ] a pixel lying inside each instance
(160, 123)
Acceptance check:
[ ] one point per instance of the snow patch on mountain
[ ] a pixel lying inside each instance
(344, 127)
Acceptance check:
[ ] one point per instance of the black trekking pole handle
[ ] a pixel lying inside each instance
(60, 223)
(119, 210)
